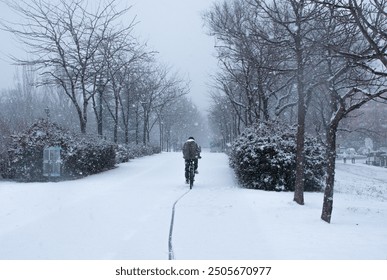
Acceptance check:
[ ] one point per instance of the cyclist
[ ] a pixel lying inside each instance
(191, 150)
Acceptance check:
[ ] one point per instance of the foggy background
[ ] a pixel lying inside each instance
(173, 28)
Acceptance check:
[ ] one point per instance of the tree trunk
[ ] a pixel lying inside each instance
(84, 117)
(137, 127)
(265, 106)
(145, 127)
(126, 119)
(330, 179)
(300, 158)
(99, 115)
(161, 128)
(82, 121)
(115, 132)
(126, 134)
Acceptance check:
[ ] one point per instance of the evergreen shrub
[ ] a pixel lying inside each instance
(264, 157)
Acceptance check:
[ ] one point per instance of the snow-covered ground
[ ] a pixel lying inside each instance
(125, 213)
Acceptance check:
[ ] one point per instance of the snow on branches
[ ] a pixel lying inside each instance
(264, 157)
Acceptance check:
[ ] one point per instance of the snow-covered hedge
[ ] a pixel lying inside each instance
(126, 152)
(264, 157)
(80, 155)
(86, 156)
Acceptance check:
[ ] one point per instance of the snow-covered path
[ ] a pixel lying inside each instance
(120, 214)
(125, 213)
(221, 221)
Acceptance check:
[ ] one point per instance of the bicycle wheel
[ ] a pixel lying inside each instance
(191, 174)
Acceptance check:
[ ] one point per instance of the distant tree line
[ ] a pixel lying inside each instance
(308, 64)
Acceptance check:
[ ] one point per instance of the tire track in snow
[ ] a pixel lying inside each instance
(170, 246)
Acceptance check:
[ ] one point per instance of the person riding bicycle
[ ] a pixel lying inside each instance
(191, 151)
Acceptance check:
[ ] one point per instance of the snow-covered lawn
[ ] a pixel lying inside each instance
(125, 213)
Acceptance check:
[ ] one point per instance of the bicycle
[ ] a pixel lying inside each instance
(191, 172)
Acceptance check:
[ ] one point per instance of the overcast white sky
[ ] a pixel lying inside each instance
(174, 28)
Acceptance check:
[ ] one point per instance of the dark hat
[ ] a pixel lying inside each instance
(191, 138)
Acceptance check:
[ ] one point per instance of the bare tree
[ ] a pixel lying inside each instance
(181, 120)
(247, 60)
(332, 53)
(225, 126)
(63, 40)
(267, 49)
(164, 87)
(129, 98)
(297, 19)
(253, 75)
(121, 67)
(357, 54)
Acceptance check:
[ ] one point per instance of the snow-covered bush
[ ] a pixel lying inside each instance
(130, 151)
(25, 153)
(80, 155)
(86, 156)
(264, 157)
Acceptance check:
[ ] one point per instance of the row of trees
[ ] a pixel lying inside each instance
(86, 65)
(305, 63)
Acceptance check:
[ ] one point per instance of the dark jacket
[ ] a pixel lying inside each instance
(191, 150)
